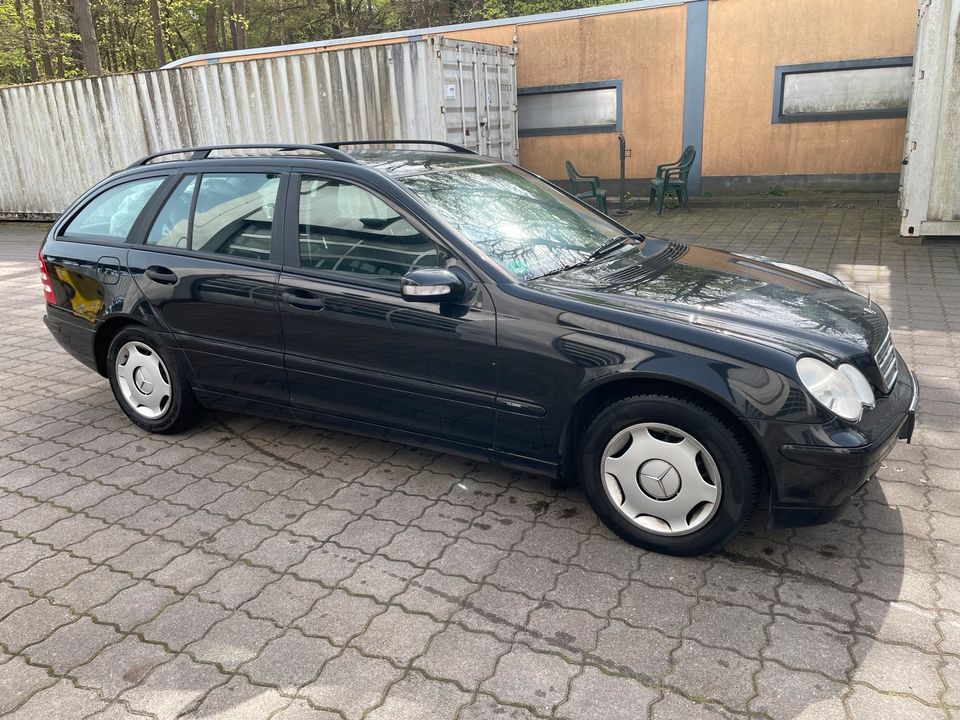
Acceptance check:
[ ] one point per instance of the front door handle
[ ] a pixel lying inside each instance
(162, 275)
(302, 299)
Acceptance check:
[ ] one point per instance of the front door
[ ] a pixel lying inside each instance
(353, 347)
(207, 268)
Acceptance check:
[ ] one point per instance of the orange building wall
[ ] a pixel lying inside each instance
(645, 49)
(747, 39)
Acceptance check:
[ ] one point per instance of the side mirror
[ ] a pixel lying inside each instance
(437, 285)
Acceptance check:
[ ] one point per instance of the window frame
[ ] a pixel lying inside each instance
(63, 223)
(279, 214)
(291, 260)
(616, 84)
(780, 71)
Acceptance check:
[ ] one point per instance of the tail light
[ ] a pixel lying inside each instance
(45, 281)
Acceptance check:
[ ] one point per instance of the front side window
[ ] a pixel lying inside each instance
(344, 228)
(525, 225)
(111, 214)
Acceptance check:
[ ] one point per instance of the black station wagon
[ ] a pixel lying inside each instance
(438, 297)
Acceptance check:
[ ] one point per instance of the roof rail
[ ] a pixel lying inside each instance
(200, 153)
(450, 146)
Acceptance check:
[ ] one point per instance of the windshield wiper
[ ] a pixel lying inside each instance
(608, 247)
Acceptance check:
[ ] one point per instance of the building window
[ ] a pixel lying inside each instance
(844, 90)
(567, 109)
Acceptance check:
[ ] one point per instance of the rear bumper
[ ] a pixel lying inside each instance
(75, 336)
(814, 482)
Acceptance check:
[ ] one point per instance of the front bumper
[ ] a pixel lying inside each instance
(814, 482)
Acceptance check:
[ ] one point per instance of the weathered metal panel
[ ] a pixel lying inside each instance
(930, 181)
(60, 138)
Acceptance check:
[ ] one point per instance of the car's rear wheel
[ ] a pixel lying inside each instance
(668, 474)
(147, 383)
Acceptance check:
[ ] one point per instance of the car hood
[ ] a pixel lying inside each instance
(790, 307)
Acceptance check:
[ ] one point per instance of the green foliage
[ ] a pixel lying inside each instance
(125, 28)
(777, 191)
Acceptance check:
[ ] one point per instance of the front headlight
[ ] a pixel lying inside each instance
(843, 391)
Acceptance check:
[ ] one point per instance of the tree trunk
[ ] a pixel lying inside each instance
(210, 27)
(88, 37)
(58, 42)
(41, 26)
(240, 10)
(443, 7)
(157, 27)
(27, 46)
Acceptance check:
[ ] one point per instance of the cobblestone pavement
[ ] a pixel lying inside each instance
(252, 569)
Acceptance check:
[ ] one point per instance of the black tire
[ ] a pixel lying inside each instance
(182, 410)
(739, 471)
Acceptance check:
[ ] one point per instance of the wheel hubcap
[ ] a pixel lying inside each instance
(143, 380)
(661, 478)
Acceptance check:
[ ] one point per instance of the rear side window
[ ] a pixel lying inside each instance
(112, 213)
(232, 214)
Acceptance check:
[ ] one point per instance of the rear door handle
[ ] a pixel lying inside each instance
(302, 299)
(162, 275)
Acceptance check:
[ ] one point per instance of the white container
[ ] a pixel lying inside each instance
(59, 138)
(930, 181)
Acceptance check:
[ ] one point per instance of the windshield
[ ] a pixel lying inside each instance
(525, 225)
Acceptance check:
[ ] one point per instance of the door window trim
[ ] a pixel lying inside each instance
(291, 250)
(277, 229)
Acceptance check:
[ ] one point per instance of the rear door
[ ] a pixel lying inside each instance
(208, 266)
(354, 348)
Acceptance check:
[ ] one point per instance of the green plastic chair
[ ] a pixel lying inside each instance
(593, 192)
(672, 177)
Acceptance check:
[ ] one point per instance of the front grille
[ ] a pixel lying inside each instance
(887, 362)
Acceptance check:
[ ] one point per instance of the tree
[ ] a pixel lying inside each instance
(157, 29)
(88, 37)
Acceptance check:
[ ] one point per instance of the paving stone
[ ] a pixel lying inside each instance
(501, 613)
(72, 645)
(300, 710)
(435, 594)
(31, 624)
(62, 701)
(722, 675)
(487, 708)
(644, 606)
(173, 688)
(337, 689)
(898, 669)
(380, 578)
(416, 546)
(467, 658)
(536, 680)
(595, 694)
(285, 600)
(120, 666)
(322, 523)
(795, 694)
(183, 622)
(627, 650)
(12, 598)
(290, 661)
(91, 588)
(281, 551)
(189, 570)
(419, 698)
(727, 626)
(238, 700)
(531, 576)
(19, 556)
(51, 572)
(235, 585)
(469, 559)
(134, 605)
(809, 647)
(397, 635)
(233, 641)
(867, 704)
(329, 564)
(339, 616)
(592, 591)
(674, 706)
(19, 681)
(570, 633)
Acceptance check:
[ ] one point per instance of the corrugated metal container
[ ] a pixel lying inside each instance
(930, 181)
(60, 138)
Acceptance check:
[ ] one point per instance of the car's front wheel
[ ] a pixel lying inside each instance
(668, 474)
(147, 384)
